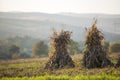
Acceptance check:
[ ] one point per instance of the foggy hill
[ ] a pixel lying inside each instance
(39, 25)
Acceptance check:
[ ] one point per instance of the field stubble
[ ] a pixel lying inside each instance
(35, 67)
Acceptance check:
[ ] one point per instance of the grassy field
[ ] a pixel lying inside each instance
(33, 69)
(78, 77)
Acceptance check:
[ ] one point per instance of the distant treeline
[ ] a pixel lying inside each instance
(20, 45)
(26, 47)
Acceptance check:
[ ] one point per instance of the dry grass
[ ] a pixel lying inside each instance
(35, 67)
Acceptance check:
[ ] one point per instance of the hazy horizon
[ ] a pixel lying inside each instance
(61, 6)
(56, 12)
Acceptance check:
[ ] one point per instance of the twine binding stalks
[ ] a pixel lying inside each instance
(60, 57)
(94, 53)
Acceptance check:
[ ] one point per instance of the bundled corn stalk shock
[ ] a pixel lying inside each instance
(94, 53)
(118, 62)
(60, 57)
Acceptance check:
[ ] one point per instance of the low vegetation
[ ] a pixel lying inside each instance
(39, 49)
(114, 47)
(66, 77)
(23, 69)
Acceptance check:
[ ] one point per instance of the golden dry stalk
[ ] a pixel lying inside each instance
(60, 57)
(118, 62)
(94, 53)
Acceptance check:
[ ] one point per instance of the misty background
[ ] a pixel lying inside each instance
(25, 25)
(39, 25)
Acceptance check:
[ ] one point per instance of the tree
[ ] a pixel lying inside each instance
(60, 57)
(106, 46)
(94, 53)
(4, 54)
(114, 47)
(39, 49)
(24, 55)
(74, 47)
(14, 51)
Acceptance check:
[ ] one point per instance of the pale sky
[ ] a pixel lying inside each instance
(57, 6)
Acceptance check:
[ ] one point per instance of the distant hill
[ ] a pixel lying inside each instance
(39, 25)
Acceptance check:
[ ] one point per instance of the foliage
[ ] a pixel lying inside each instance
(39, 49)
(74, 47)
(25, 47)
(106, 46)
(35, 67)
(115, 47)
(24, 55)
(4, 53)
(14, 51)
(65, 77)
(24, 42)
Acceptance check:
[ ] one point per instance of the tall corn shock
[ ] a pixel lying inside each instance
(94, 52)
(60, 57)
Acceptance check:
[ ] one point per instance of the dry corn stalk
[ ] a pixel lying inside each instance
(118, 62)
(60, 57)
(94, 53)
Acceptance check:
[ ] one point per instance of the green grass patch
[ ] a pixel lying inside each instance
(34, 69)
(66, 77)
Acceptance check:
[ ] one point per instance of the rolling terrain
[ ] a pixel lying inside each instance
(39, 25)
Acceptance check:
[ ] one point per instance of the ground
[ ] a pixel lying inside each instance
(34, 68)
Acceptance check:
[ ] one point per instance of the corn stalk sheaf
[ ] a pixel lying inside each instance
(60, 57)
(118, 62)
(94, 53)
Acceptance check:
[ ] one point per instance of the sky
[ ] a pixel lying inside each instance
(58, 6)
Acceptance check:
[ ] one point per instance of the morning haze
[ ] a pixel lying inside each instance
(57, 6)
(59, 39)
